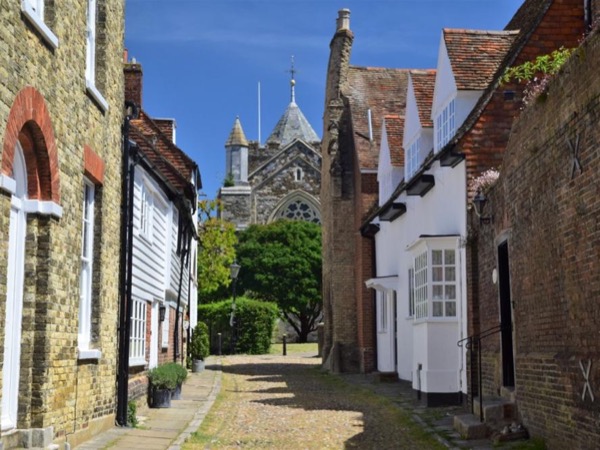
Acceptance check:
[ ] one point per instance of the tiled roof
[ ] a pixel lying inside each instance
(528, 15)
(381, 90)
(171, 163)
(292, 125)
(423, 84)
(475, 55)
(394, 127)
(237, 136)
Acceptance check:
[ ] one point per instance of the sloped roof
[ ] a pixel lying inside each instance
(383, 91)
(168, 160)
(237, 136)
(528, 15)
(476, 54)
(424, 85)
(292, 125)
(394, 128)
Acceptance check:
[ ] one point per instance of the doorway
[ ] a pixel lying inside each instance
(508, 362)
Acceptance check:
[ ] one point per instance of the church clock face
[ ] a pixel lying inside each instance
(300, 210)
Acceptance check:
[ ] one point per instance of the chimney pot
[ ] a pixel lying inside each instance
(343, 20)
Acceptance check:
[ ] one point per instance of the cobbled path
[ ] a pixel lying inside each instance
(275, 402)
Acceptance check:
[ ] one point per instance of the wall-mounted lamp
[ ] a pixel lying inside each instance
(479, 202)
(162, 312)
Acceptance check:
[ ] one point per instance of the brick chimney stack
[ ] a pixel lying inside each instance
(133, 80)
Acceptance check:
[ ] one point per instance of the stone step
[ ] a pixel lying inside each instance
(495, 409)
(470, 427)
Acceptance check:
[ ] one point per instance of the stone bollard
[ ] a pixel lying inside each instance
(284, 344)
(320, 338)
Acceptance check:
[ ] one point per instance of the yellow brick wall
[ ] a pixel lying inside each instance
(55, 388)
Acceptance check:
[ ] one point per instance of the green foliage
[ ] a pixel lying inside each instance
(281, 263)
(255, 322)
(216, 251)
(199, 346)
(164, 376)
(229, 181)
(132, 419)
(544, 64)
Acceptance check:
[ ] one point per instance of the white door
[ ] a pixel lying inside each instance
(14, 296)
(154, 336)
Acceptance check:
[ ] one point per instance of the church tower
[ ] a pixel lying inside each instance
(280, 180)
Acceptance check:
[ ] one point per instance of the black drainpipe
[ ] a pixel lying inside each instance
(126, 263)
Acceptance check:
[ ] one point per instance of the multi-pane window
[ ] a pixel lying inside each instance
(146, 212)
(90, 62)
(300, 210)
(411, 292)
(420, 286)
(445, 125)
(137, 339)
(87, 257)
(412, 158)
(443, 282)
(165, 328)
(33, 10)
(434, 283)
(382, 307)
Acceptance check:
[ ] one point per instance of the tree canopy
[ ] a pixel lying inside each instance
(216, 250)
(281, 262)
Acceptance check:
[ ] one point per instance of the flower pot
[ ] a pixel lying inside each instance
(161, 398)
(197, 365)
(176, 393)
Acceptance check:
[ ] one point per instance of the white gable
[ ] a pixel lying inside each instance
(445, 84)
(412, 122)
(388, 176)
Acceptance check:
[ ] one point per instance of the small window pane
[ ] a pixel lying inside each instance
(450, 309)
(438, 292)
(450, 274)
(436, 257)
(438, 309)
(437, 274)
(449, 257)
(450, 292)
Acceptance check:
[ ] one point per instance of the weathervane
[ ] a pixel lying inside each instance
(293, 71)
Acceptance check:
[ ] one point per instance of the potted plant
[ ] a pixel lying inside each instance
(199, 346)
(163, 379)
(181, 374)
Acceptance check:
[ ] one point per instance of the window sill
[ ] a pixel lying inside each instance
(436, 320)
(96, 95)
(136, 362)
(47, 34)
(89, 354)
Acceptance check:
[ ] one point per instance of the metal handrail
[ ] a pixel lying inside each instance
(468, 343)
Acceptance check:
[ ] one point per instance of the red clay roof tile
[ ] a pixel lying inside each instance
(394, 127)
(423, 85)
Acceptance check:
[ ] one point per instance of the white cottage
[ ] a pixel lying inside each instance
(420, 256)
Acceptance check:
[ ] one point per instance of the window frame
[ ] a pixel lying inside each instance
(445, 124)
(165, 327)
(430, 274)
(90, 54)
(33, 10)
(413, 157)
(137, 336)
(146, 219)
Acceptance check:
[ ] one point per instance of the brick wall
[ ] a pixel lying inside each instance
(548, 213)
(56, 389)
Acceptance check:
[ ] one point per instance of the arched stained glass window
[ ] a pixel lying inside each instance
(298, 209)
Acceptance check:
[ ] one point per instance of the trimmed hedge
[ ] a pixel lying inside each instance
(255, 323)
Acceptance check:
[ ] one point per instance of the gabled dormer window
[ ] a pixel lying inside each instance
(33, 10)
(445, 125)
(412, 158)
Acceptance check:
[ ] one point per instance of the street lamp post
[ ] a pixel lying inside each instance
(234, 271)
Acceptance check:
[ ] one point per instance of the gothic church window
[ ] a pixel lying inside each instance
(299, 210)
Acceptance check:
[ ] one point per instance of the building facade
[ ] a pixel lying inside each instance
(61, 112)
(278, 180)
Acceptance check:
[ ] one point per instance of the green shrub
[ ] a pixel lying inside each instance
(255, 322)
(132, 419)
(164, 376)
(199, 346)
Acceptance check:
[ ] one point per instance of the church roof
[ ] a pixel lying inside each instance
(292, 125)
(237, 136)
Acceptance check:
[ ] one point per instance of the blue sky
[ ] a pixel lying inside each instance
(203, 59)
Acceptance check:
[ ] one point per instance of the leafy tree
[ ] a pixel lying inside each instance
(281, 263)
(216, 251)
